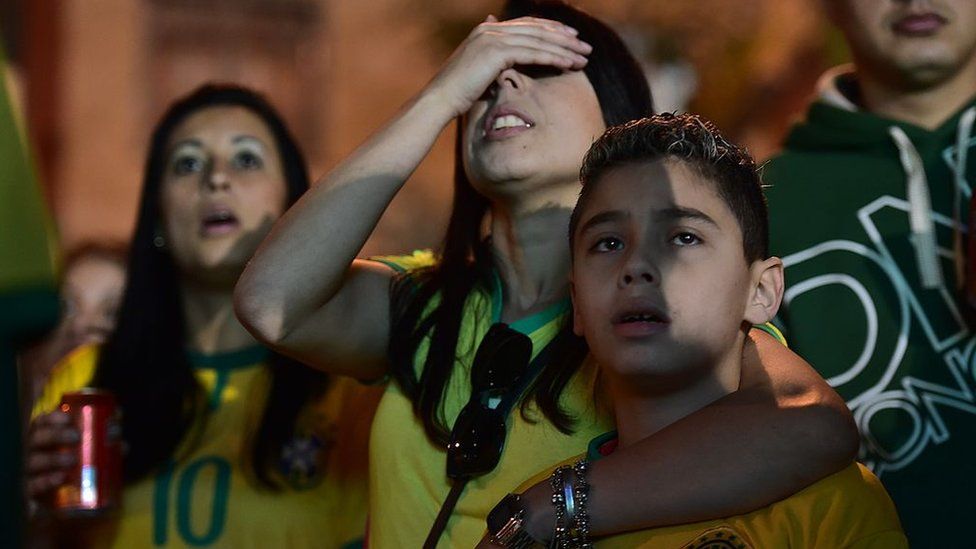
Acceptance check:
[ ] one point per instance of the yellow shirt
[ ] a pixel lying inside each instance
(206, 499)
(847, 510)
(408, 480)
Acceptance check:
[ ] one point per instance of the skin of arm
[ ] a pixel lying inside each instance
(784, 429)
(304, 293)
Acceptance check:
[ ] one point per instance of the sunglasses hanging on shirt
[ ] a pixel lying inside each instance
(500, 373)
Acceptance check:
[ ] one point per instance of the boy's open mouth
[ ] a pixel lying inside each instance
(642, 315)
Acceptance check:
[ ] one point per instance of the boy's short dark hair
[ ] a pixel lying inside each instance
(694, 140)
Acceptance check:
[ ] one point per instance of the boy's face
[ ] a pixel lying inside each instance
(661, 286)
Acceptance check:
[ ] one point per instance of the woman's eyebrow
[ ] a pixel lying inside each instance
(190, 141)
(247, 139)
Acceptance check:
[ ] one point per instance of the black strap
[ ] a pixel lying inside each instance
(508, 402)
(447, 508)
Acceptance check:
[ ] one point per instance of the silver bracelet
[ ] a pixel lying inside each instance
(578, 529)
(560, 530)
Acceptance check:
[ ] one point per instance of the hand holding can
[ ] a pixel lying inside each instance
(93, 484)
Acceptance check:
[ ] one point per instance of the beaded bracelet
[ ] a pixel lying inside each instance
(557, 481)
(579, 527)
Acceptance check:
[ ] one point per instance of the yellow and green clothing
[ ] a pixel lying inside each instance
(408, 480)
(206, 496)
(847, 510)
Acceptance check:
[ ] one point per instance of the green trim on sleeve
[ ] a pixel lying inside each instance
(593, 449)
(772, 330)
(419, 259)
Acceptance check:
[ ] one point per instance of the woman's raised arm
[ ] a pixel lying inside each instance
(304, 293)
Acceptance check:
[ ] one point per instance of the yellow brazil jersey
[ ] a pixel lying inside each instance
(408, 481)
(847, 510)
(205, 498)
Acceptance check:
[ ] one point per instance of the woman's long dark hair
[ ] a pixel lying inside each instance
(144, 362)
(622, 91)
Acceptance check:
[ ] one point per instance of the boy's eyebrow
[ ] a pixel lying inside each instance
(678, 212)
(607, 216)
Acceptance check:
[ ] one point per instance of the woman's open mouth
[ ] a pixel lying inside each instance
(218, 222)
(505, 122)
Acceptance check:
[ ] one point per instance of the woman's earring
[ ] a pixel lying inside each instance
(158, 240)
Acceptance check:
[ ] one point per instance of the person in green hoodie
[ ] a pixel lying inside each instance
(869, 204)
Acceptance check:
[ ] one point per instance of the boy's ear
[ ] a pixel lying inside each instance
(577, 318)
(767, 291)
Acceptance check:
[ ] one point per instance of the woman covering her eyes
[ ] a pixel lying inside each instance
(229, 444)
(418, 321)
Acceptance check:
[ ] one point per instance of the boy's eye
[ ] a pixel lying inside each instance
(184, 165)
(247, 160)
(608, 244)
(685, 239)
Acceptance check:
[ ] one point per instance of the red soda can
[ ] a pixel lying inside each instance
(94, 485)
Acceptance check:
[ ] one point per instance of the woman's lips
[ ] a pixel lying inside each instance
(924, 24)
(503, 122)
(218, 223)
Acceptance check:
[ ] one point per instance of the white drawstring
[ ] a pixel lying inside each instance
(963, 134)
(959, 248)
(919, 211)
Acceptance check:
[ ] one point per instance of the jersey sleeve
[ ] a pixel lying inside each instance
(419, 259)
(774, 331)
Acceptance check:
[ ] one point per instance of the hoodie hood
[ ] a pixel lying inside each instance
(836, 124)
(835, 121)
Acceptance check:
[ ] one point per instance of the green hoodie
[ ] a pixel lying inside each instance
(872, 306)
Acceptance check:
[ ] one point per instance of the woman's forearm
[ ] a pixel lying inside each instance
(783, 430)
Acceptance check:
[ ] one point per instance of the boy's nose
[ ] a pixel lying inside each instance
(639, 270)
(645, 276)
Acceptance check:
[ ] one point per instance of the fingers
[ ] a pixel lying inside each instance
(527, 24)
(42, 463)
(41, 485)
(50, 454)
(530, 50)
(50, 430)
(551, 32)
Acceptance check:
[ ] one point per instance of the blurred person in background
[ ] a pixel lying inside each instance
(28, 296)
(228, 443)
(92, 281)
(870, 202)
(530, 93)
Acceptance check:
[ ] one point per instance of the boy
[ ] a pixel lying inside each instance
(670, 269)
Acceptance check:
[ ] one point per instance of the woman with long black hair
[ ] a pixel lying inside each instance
(228, 443)
(530, 93)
